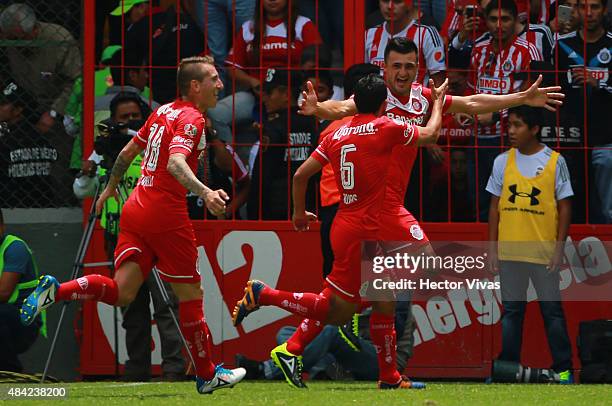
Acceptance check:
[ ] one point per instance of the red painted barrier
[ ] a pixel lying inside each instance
(453, 339)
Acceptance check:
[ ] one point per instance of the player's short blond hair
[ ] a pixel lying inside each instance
(189, 69)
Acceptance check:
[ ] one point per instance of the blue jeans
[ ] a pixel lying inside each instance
(326, 348)
(220, 25)
(514, 279)
(602, 173)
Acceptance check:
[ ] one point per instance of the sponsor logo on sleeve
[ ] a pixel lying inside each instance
(190, 130)
(186, 142)
(409, 131)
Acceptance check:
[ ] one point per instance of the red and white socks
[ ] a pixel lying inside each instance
(382, 332)
(309, 305)
(307, 331)
(89, 287)
(196, 333)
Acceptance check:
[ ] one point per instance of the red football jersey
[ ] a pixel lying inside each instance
(274, 49)
(158, 202)
(453, 133)
(358, 152)
(327, 185)
(414, 110)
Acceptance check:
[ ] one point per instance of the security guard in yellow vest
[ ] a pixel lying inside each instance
(18, 277)
(137, 316)
(529, 217)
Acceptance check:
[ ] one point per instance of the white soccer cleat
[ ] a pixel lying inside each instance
(224, 378)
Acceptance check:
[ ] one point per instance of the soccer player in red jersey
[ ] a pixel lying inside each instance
(155, 230)
(411, 103)
(358, 152)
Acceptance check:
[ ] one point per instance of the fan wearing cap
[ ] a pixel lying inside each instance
(288, 139)
(26, 157)
(129, 25)
(48, 71)
(134, 10)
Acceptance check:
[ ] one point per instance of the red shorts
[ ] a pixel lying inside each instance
(173, 253)
(346, 240)
(400, 226)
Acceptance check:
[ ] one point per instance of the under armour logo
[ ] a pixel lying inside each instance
(534, 192)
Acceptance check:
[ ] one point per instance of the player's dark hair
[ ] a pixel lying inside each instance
(400, 45)
(370, 93)
(119, 67)
(529, 115)
(126, 97)
(354, 73)
(1, 218)
(508, 5)
(189, 69)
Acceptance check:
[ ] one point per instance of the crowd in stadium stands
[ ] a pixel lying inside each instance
(259, 139)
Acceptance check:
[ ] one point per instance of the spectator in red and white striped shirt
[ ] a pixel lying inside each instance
(501, 60)
(402, 20)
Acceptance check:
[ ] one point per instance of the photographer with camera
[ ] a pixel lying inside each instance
(127, 116)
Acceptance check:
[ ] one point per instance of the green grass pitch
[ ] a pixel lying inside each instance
(329, 394)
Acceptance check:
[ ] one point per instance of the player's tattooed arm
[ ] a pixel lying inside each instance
(214, 199)
(178, 167)
(121, 165)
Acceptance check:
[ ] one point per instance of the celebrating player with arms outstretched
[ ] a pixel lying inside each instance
(358, 151)
(155, 227)
(411, 103)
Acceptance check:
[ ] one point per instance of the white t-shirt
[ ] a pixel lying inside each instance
(530, 166)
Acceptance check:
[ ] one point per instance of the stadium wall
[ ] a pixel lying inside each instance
(452, 339)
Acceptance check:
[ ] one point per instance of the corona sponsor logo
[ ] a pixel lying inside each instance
(362, 129)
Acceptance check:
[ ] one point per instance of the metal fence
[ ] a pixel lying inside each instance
(138, 45)
(40, 66)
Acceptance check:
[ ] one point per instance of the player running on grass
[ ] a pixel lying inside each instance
(155, 229)
(359, 152)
